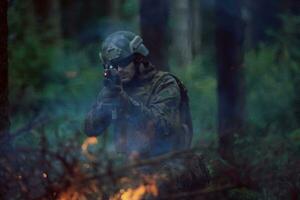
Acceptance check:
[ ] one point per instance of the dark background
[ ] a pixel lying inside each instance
(240, 61)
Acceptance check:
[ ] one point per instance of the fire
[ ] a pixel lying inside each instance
(71, 194)
(87, 142)
(78, 191)
(149, 187)
(75, 193)
(84, 147)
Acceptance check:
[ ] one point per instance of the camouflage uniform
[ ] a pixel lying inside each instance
(149, 111)
(148, 116)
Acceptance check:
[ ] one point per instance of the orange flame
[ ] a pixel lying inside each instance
(139, 192)
(85, 145)
(87, 142)
(77, 191)
(71, 194)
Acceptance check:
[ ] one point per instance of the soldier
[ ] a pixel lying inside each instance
(147, 107)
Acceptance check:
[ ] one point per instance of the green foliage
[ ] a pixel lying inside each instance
(243, 194)
(270, 91)
(199, 79)
(272, 78)
(295, 137)
(287, 39)
(267, 155)
(130, 8)
(56, 78)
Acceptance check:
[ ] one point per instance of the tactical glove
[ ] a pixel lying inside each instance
(112, 87)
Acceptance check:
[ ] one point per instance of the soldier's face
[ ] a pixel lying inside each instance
(127, 73)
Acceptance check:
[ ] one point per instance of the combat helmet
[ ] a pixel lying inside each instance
(120, 47)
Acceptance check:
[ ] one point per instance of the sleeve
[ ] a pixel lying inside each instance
(163, 105)
(98, 118)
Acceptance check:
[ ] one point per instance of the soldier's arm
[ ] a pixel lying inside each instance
(163, 107)
(97, 119)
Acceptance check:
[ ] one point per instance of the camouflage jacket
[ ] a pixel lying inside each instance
(148, 121)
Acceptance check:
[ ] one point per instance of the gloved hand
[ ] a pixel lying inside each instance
(112, 87)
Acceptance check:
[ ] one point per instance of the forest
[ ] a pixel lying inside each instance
(238, 59)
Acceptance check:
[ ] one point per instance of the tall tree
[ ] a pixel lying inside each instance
(4, 104)
(181, 32)
(80, 19)
(115, 9)
(292, 6)
(154, 16)
(229, 54)
(47, 14)
(70, 20)
(260, 21)
(186, 30)
(195, 20)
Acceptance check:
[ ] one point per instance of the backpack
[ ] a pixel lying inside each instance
(185, 115)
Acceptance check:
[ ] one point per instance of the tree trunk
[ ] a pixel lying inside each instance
(4, 103)
(182, 32)
(195, 19)
(115, 9)
(291, 6)
(47, 14)
(229, 53)
(69, 19)
(260, 21)
(154, 22)
(80, 19)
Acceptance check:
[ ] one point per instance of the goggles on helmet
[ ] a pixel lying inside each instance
(121, 62)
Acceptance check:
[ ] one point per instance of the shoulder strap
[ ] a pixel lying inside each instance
(185, 113)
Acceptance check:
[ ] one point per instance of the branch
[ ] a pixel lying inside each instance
(206, 191)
